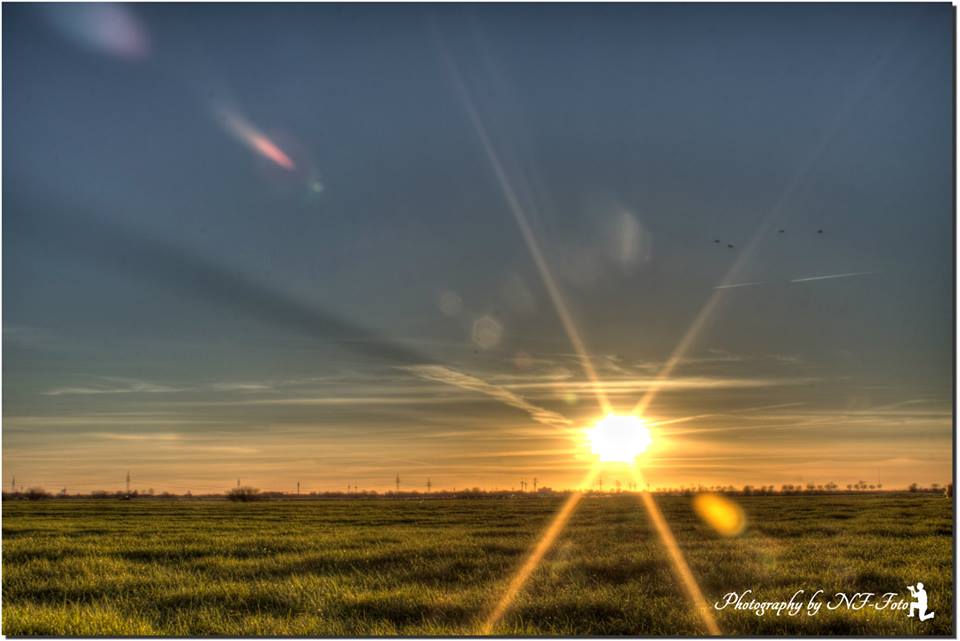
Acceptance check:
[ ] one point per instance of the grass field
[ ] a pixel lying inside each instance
(388, 567)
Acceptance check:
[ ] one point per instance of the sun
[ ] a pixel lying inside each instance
(619, 439)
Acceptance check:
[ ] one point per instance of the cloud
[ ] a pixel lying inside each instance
(439, 373)
(240, 387)
(117, 386)
(114, 436)
(626, 386)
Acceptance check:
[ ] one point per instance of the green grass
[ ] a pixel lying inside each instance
(436, 567)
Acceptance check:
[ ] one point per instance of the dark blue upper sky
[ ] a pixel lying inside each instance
(634, 137)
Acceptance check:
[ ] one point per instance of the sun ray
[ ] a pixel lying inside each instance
(526, 231)
(543, 545)
(680, 567)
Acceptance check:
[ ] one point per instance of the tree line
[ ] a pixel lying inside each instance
(247, 493)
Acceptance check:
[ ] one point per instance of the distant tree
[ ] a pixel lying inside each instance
(243, 494)
(36, 494)
(914, 487)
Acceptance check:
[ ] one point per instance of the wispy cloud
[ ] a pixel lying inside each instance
(116, 386)
(115, 436)
(240, 387)
(637, 385)
(446, 375)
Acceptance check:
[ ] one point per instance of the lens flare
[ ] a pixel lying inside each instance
(258, 142)
(108, 28)
(720, 513)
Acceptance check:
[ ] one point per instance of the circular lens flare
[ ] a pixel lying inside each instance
(619, 439)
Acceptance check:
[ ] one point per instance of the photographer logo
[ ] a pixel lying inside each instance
(799, 603)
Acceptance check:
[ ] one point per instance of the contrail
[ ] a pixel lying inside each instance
(829, 276)
(733, 285)
(776, 211)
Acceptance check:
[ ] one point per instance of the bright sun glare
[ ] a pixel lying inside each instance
(619, 438)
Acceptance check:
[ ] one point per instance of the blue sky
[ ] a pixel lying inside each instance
(178, 303)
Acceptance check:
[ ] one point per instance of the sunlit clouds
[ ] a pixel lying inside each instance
(458, 379)
(488, 429)
(509, 240)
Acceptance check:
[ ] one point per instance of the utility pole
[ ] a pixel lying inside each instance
(13, 484)
(429, 485)
(397, 481)
(128, 481)
(298, 488)
(534, 484)
(238, 482)
(600, 483)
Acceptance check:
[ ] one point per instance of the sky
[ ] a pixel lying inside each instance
(333, 244)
